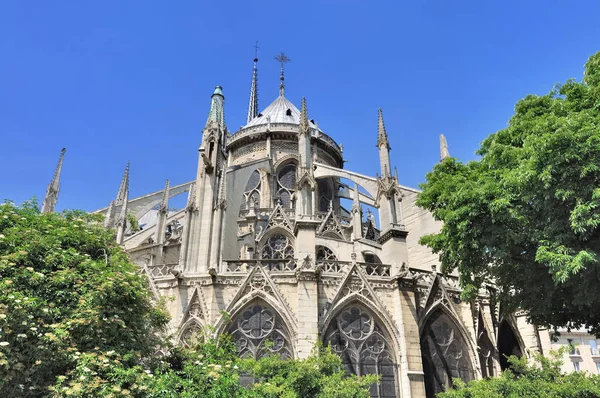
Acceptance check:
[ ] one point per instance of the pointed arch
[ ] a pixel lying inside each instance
(485, 348)
(446, 350)
(258, 329)
(191, 333)
(509, 342)
(360, 337)
(277, 249)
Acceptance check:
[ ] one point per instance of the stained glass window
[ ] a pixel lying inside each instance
(286, 184)
(357, 338)
(445, 354)
(258, 332)
(252, 192)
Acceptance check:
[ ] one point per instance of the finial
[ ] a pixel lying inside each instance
(191, 200)
(164, 203)
(51, 197)
(283, 59)
(382, 138)
(444, 153)
(304, 124)
(124, 187)
(253, 105)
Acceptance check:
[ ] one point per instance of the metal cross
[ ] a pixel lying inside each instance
(282, 58)
(256, 50)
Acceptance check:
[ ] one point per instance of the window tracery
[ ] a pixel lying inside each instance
(357, 338)
(258, 332)
(277, 246)
(327, 259)
(286, 184)
(252, 192)
(445, 354)
(191, 335)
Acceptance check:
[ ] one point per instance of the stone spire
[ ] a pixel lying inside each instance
(304, 137)
(164, 203)
(253, 105)
(51, 197)
(216, 115)
(444, 153)
(304, 126)
(123, 193)
(384, 146)
(163, 213)
(382, 138)
(122, 199)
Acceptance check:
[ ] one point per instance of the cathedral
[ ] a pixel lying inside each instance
(274, 248)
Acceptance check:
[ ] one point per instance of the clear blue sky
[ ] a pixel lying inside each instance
(114, 81)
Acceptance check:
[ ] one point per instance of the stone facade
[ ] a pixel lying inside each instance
(274, 248)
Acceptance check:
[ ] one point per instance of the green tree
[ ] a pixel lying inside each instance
(67, 293)
(525, 215)
(540, 379)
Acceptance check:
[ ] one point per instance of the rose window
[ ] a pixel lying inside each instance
(278, 247)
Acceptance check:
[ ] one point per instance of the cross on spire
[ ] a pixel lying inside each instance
(256, 47)
(282, 59)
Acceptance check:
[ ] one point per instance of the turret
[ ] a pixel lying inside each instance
(214, 132)
(51, 197)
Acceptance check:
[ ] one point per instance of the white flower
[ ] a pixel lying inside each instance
(2, 236)
(4, 343)
(22, 336)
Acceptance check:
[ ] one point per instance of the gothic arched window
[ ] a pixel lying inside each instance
(508, 344)
(286, 184)
(445, 354)
(485, 348)
(252, 192)
(191, 335)
(277, 246)
(325, 190)
(357, 338)
(258, 331)
(327, 259)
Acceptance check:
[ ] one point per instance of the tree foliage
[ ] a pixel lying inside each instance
(77, 320)
(526, 215)
(67, 292)
(541, 378)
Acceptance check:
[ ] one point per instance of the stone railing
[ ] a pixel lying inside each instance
(160, 271)
(266, 212)
(376, 269)
(333, 265)
(244, 266)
